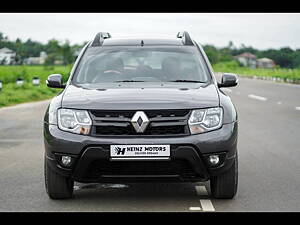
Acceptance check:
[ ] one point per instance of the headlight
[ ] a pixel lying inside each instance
(75, 121)
(202, 120)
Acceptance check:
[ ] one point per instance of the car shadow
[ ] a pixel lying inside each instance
(137, 196)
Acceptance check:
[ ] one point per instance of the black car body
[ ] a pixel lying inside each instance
(162, 112)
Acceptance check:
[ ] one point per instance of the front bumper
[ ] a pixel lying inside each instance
(87, 150)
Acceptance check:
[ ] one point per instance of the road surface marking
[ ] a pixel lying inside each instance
(297, 108)
(207, 205)
(114, 186)
(201, 190)
(195, 208)
(257, 97)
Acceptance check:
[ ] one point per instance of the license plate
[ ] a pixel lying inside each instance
(139, 150)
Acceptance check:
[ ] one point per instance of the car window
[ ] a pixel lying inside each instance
(145, 64)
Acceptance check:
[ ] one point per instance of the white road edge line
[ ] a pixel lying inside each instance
(195, 208)
(207, 205)
(297, 108)
(201, 190)
(260, 98)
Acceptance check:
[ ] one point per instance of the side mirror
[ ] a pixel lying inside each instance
(228, 80)
(55, 81)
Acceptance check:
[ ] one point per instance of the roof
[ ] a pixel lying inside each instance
(247, 55)
(104, 39)
(6, 50)
(137, 42)
(265, 60)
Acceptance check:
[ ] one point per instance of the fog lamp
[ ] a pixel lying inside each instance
(214, 159)
(66, 160)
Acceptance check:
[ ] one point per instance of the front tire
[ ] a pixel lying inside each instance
(57, 186)
(224, 186)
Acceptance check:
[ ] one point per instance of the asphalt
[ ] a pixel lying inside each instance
(269, 168)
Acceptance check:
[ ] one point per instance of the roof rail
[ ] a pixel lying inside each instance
(99, 38)
(186, 39)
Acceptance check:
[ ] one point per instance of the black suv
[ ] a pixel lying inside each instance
(141, 110)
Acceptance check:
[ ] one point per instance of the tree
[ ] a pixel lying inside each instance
(284, 57)
(67, 53)
(52, 46)
(212, 53)
(230, 45)
(51, 59)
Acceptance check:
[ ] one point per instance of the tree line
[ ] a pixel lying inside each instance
(55, 49)
(284, 57)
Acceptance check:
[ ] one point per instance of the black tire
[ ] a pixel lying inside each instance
(224, 186)
(57, 186)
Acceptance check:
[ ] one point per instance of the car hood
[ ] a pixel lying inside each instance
(138, 96)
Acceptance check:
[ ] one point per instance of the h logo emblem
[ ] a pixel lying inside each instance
(120, 151)
(140, 121)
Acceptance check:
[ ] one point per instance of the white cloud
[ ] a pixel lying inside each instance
(261, 31)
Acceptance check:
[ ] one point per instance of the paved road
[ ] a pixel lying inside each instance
(269, 168)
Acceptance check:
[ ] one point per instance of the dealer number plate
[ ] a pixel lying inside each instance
(140, 151)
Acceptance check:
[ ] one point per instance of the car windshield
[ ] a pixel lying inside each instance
(141, 64)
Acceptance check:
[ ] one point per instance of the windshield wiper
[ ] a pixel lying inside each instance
(191, 81)
(129, 81)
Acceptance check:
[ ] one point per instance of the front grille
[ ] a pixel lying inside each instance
(161, 122)
(106, 167)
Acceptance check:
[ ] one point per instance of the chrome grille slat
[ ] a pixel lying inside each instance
(118, 123)
(167, 118)
(115, 124)
(114, 119)
(161, 124)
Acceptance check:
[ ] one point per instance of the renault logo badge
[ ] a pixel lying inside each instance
(140, 121)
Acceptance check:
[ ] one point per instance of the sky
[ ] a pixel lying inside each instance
(259, 30)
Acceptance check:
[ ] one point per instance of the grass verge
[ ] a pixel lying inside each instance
(12, 94)
(290, 75)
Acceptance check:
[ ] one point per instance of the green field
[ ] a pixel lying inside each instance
(292, 75)
(11, 94)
